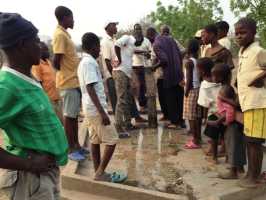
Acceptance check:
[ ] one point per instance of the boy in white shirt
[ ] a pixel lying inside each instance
(95, 108)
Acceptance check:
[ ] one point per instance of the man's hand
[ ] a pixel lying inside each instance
(147, 55)
(204, 121)
(182, 83)
(212, 123)
(258, 83)
(187, 92)
(118, 63)
(105, 119)
(40, 163)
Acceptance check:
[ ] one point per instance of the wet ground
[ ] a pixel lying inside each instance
(155, 159)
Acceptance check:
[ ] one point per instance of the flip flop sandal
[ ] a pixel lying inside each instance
(124, 135)
(118, 177)
(173, 126)
(188, 143)
(76, 156)
(84, 151)
(192, 145)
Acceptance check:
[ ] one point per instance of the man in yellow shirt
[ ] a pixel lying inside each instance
(66, 62)
(45, 74)
(252, 96)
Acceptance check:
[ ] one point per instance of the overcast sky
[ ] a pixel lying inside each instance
(89, 15)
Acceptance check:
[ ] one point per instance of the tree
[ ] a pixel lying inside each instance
(187, 16)
(255, 9)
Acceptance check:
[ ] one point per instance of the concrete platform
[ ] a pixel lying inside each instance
(158, 167)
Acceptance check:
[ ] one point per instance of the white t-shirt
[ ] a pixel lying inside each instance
(195, 76)
(127, 45)
(208, 96)
(88, 73)
(108, 52)
(140, 60)
(225, 42)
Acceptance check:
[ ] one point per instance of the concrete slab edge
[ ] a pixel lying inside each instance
(117, 191)
(239, 194)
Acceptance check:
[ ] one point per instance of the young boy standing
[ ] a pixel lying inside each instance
(252, 96)
(66, 62)
(35, 142)
(95, 107)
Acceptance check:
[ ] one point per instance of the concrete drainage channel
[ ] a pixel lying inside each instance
(71, 181)
(78, 187)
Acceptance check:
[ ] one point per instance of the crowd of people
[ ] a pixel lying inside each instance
(41, 100)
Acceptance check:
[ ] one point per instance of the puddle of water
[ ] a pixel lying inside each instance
(145, 157)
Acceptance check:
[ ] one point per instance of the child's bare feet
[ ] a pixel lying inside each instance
(222, 153)
(248, 182)
(213, 161)
(208, 151)
(241, 170)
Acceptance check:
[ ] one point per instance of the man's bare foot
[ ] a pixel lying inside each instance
(143, 110)
(140, 119)
(222, 153)
(228, 175)
(208, 151)
(103, 177)
(163, 118)
(241, 170)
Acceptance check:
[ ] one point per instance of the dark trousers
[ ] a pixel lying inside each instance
(140, 75)
(110, 83)
(235, 145)
(174, 103)
(113, 98)
(162, 97)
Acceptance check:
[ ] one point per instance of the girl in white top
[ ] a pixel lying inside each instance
(192, 83)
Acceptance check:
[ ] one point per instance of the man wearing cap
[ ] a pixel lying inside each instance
(35, 144)
(109, 59)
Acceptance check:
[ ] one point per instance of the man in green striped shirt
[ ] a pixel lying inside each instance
(35, 144)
